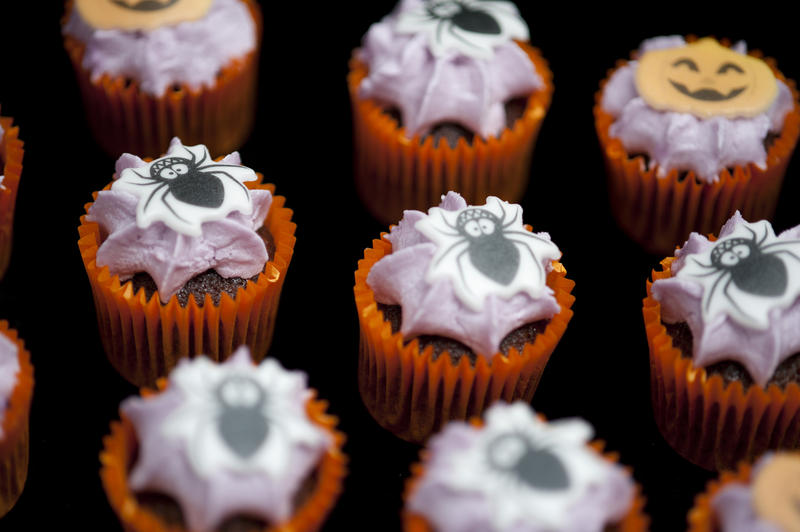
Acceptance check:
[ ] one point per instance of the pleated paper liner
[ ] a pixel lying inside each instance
(145, 339)
(701, 517)
(660, 212)
(634, 521)
(710, 424)
(11, 158)
(120, 448)
(14, 437)
(394, 173)
(412, 395)
(126, 119)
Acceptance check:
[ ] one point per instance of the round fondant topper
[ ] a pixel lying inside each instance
(486, 250)
(134, 15)
(746, 274)
(186, 188)
(776, 492)
(705, 79)
(471, 27)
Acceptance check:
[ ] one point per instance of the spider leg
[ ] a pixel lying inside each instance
(779, 243)
(461, 269)
(711, 292)
(764, 237)
(735, 304)
(164, 200)
(704, 265)
(452, 247)
(502, 218)
(152, 194)
(448, 223)
(191, 153)
(509, 224)
(787, 251)
(530, 251)
(753, 233)
(528, 234)
(218, 165)
(229, 176)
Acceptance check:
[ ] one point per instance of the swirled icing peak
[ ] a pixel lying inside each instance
(226, 439)
(519, 473)
(739, 295)
(9, 368)
(181, 215)
(471, 273)
(448, 61)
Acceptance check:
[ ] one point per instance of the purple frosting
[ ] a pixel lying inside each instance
(733, 506)
(229, 246)
(682, 140)
(191, 52)
(453, 87)
(185, 453)
(462, 491)
(434, 308)
(9, 368)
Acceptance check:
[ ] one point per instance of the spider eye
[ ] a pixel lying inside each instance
(741, 250)
(168, 173)
(507, 451)
(473, 228)
(180, 168)
(730, 258)
(487, 227)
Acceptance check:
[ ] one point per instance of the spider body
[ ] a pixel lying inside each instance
(539, 468)
(241, 423)
(489, 250)
(464, 17)
(751, 270)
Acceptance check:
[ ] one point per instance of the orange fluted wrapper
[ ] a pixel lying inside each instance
(394, 173)
(119, 452)
(11, 169)
(660, 212)
(412, 395)
(710, 424)
(144, 339)
(14, 436)
(126, 119)
(701, 517)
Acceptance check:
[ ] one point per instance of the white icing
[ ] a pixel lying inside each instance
(485, 250)
(746, 275)
(470, 27)
(215, 189)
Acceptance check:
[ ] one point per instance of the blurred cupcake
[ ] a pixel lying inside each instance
(185, 256)
(16, 388)
(149, 70)
(446, 95)
(690, 133)
(721, 322)
(516, 472)
(11, 165)
(457, 308)
(758, 498)
(224, 447)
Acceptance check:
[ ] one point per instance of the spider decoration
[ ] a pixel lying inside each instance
(745, 275)
(241, 422)
(483, 251)
(186, 188)
(471, 27)
(531, 462)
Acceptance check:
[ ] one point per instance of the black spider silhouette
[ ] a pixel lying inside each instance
(457, 14)
(751, 266)
(188, 181)
(491, 245)
(241, 420)
(530, 462)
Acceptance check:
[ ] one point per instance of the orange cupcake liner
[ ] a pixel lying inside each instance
(145, 339)
(412, 395)
(660, 212)
(701, 517)
(634, 521)
(11, 153)
(121, 446)
(14, 438)
(126, 119)
(710, 424)
(394, 173)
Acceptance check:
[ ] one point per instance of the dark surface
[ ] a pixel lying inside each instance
(302, 143)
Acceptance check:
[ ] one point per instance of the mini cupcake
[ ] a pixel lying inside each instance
(446, 94)
(185, 256)
(516, 472)
(16, 388)
(224, 447)
(758, 498)
(457, 308)
(721, 320)
(690, 133)
(11, 165)
(149, 70)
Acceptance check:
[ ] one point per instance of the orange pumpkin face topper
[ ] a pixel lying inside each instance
(706, 79)
(139, 14)
(776, 492)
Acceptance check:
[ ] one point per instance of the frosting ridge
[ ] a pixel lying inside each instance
(9, 368)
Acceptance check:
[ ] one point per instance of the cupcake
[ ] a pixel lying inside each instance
(516, 472)
(446, 94)
(721, 320)
(457, 308)
(11, 166)
(149, 70)
(185, 256)
(690, 133)
(16, 388)
(223, 447)
(758, 498)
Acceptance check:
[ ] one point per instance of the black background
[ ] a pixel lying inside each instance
(302, 142)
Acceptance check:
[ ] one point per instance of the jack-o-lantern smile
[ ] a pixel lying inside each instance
(140, 14)
(144, 5)
(706, 79)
